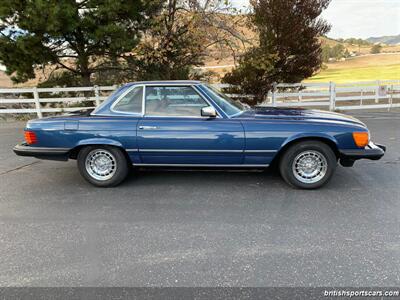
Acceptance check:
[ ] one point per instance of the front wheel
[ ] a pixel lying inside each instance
(308, 165)
(103, 166)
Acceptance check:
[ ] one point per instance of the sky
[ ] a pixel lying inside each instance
(358, 18)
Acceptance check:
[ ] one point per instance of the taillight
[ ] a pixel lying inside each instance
(361, 139)
(30, 137)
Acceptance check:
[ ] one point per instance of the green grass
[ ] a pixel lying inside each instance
(347, 74)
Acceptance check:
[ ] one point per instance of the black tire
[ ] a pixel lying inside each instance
(116, 158)
(324, 157)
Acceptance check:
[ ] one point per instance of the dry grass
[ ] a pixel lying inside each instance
(5, 81)
(371, 67)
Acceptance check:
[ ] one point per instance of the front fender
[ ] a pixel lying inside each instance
(305, 135)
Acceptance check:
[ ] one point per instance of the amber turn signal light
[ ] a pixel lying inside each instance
(30, 137)
(361, 139)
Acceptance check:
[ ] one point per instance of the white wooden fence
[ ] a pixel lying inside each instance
(28, 100)
(330, 96)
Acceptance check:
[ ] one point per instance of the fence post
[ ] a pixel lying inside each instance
(332, 96)
(97, 95)
(300, 95)
(273, 96)
(37, 103)
(362, 96)
(378, 83)
(391, 97)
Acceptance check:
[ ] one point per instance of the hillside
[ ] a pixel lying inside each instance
(5, 81)
(362, 67)
(388, 40)
(361, 50)
(367, 67)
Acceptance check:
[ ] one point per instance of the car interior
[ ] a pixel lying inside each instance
(131, 102)
(173, 101)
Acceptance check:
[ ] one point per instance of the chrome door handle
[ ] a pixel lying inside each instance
(147, 127)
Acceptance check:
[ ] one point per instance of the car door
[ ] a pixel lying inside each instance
(173, 132)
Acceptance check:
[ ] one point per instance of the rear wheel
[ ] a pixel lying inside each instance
(103, 166)
(308, 165)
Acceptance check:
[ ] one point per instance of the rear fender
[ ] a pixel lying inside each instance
(99, 141)
(73, 153)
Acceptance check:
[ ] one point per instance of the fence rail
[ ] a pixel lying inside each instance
(331, 96)
(28, 100)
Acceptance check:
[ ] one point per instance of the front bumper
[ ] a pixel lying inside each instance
(41, 152)
(372, 151)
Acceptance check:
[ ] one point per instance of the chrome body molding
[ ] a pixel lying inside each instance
(260, 151)
(200, 165)
(190, 151)
(202, 151)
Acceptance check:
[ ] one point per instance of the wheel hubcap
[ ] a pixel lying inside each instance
(310, 166)
(101, 164)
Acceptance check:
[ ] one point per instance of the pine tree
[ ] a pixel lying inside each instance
(81, 38)
(289, 49)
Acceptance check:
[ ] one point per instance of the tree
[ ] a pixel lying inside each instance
(180, 39)
(289, 49)
(377, 48)
(172, 47)
(326, 53)
(358, 42)
(337, 51)
(78, 38)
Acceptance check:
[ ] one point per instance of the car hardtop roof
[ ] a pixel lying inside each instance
(169, 82)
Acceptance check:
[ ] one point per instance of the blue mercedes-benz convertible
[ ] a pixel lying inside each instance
(191, 124)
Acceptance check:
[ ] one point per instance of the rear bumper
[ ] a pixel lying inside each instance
(41, 152)
(372, 151)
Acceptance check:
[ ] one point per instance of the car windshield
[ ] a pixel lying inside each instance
(228, 105)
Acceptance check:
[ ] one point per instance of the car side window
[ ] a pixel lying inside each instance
(173, 101)
(131, 102)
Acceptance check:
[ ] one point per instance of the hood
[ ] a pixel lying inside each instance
(298, 114)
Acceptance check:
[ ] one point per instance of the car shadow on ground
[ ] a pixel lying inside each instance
(201, 176)
(269, 178)
(192, 179)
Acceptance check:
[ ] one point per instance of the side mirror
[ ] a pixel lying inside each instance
(208, 111)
